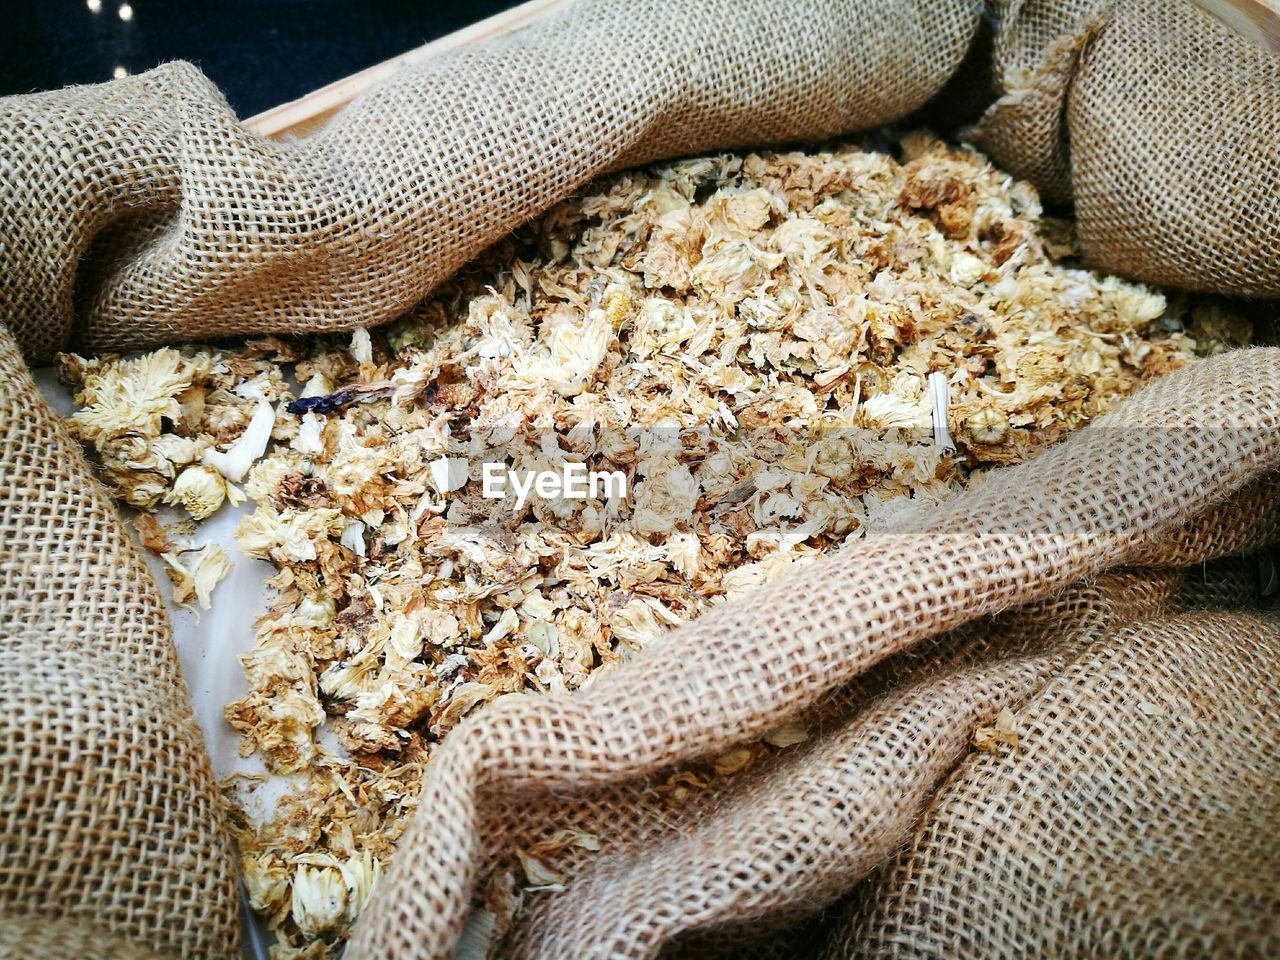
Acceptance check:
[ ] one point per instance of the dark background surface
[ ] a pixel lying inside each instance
(259, 52)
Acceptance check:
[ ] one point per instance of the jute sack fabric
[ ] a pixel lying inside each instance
(112, 841)
(1185, 470)
(194, 228)
(1158, 123)
(1132, 819)
(139, 212)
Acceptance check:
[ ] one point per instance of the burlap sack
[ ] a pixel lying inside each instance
(1166, 474)
(194, 228)
(139, 212)
(1158, 122)
(112, 840)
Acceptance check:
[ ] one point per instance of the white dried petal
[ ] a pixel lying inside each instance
(505, 626)
(361, 346)
(309, 439)
(752, 575)
(545, 637)
(566, 839)
(252, 444)
(318, 386)
(348, 680)
(463, 699)
(570, 358)
(196, 572)
(177, 450)
(404, 641)
(539, 875)
(353, 537)
(641, 620)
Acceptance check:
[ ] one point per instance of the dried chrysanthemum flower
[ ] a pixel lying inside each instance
(196, 572)
(329, 893)
(201, 490)
(150, 418)
(131, 397)
(267, 878)
(1003, 731)
(288, 536)
(988, 425)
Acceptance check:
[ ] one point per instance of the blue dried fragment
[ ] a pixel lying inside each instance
(326, 404)
(331, 403)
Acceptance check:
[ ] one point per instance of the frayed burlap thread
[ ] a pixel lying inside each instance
(112, 827)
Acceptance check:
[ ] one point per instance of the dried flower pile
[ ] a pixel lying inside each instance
(746, 339)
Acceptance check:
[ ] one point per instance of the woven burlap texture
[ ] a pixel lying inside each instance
(1159, 123)
(1183, 472)
(111, 827)
(195, 228)
(139, 212)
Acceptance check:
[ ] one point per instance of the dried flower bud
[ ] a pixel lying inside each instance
(330, 893)
(235, 462)
(988, 425)
(199, 490)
